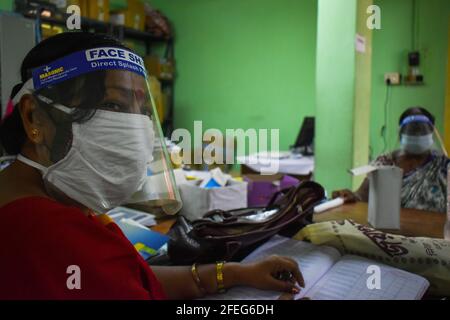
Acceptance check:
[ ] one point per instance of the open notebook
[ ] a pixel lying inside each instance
(330, 276)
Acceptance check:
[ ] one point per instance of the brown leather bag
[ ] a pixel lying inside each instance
(231, 235)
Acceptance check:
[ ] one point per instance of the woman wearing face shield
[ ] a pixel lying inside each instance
(87, 139)
(424, 183)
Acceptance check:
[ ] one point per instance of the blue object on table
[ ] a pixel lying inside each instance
(146, 241)
(212, 184)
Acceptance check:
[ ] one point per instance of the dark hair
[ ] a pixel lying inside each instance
(416, 111)
(12, 133)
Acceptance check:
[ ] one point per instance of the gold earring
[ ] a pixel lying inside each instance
(35, 132)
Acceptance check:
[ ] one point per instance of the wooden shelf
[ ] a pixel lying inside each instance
(87, 24)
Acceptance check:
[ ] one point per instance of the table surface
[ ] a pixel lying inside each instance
(414, 223)
(164, 226)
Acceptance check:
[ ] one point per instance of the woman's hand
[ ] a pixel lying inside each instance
(179, 283)
(347, 195)
(262, 274)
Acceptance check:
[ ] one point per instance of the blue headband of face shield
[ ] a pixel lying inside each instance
(79, 63)
(415, 118)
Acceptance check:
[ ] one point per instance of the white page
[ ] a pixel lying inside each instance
(347, 280)
(314, 262)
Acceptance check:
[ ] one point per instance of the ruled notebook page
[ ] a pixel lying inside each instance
(347, 280)
(314, 262)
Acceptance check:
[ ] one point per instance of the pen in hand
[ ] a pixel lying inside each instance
(288, 277)
(284, 276)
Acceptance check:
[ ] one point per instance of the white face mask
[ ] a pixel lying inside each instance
(416, 144)
(107, 161)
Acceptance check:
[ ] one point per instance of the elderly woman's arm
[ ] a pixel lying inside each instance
(362, 194)
(363, 191)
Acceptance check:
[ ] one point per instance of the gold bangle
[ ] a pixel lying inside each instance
(219, 270)
(197, 278)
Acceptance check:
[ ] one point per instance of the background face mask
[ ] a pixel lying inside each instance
(416, 144)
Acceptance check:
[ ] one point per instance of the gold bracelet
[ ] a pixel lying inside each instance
(197, 278)
(219, 270)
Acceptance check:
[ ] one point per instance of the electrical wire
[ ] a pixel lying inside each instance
(418, 25)
(413, 25)
(415, 28)
(384, 127)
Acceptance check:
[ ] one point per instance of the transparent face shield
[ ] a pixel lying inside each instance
(104, 139)
(418, 135)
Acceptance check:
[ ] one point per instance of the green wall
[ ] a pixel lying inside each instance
(391, 46)
(335, 92)
(363, 87)
(244, 63)
(6, 5)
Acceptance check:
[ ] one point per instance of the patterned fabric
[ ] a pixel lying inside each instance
(427, 257)
(424, 188)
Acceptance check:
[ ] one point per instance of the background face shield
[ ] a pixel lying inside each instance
(83, 104)
(417, 128)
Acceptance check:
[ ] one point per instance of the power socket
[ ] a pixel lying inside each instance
(392, 78)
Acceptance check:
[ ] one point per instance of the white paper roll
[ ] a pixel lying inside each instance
(329, 205)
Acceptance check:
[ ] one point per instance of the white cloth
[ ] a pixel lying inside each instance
(293, 164)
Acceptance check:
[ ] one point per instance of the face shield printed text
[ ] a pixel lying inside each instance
(45, 75)
(87, 61)
(113, 53)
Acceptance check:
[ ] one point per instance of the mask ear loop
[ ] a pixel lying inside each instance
(441, 142)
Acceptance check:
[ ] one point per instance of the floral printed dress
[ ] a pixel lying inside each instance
(424, 188)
